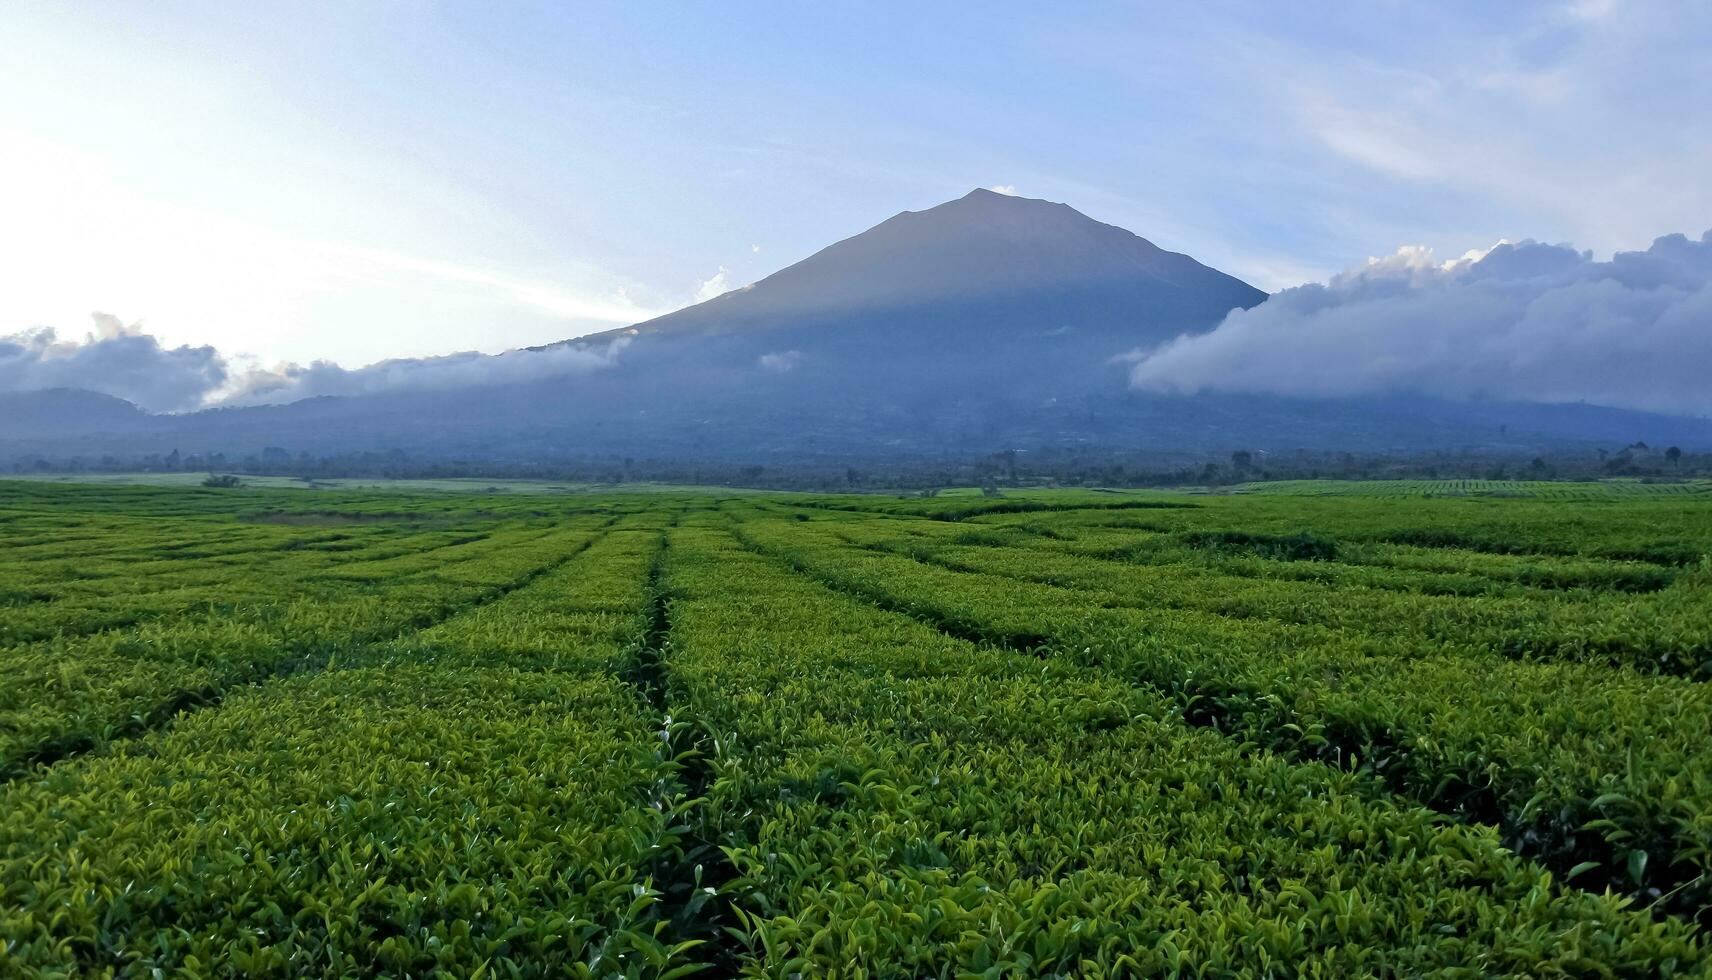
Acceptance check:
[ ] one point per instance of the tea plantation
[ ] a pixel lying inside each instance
(1305, 730)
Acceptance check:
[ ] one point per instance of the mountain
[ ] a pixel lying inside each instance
(989, 322)
(998, 263)
(60, 412)
(985, 291)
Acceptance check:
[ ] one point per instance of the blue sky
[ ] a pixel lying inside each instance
(358, 181)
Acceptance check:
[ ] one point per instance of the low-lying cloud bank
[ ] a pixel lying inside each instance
(116, 360)
(1521, 322)
(293, 382)
(128, 363)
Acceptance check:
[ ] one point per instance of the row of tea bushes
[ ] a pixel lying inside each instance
(1598, 772)
(397, 821)
(481, 797)
(68, 695)
(1668, 631)
(897, 798)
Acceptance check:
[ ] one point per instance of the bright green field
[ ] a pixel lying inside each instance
(451, 485)
(403, 732)
(1539, 490)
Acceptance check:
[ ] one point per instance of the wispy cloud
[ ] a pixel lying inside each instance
(1589, 123)
(76, 236)
(714, 285)
(781, 362)
(615, 307)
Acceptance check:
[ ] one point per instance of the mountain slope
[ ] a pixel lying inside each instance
(978, 308)
(1011, 263)
(54, 412)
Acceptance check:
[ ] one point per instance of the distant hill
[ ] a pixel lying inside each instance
(986, 323)
(59, 412)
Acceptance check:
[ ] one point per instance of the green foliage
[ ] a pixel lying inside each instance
(1574, 762)
(1301, 546)
(349, 732)
(94, 679)
(1536, 490)
(406, 820)
(925, 806)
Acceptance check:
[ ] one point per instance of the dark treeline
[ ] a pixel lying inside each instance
(1008, 468)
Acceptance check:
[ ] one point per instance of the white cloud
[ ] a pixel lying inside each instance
(715, 285)
(292, 382)
(114, 359)
(1009, 190)
(1592, 10)
(781, 362)
(128, 363)
(1523, 322)
(755, 249)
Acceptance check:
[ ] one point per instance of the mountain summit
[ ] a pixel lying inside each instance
(986, 267)
(939, 325)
